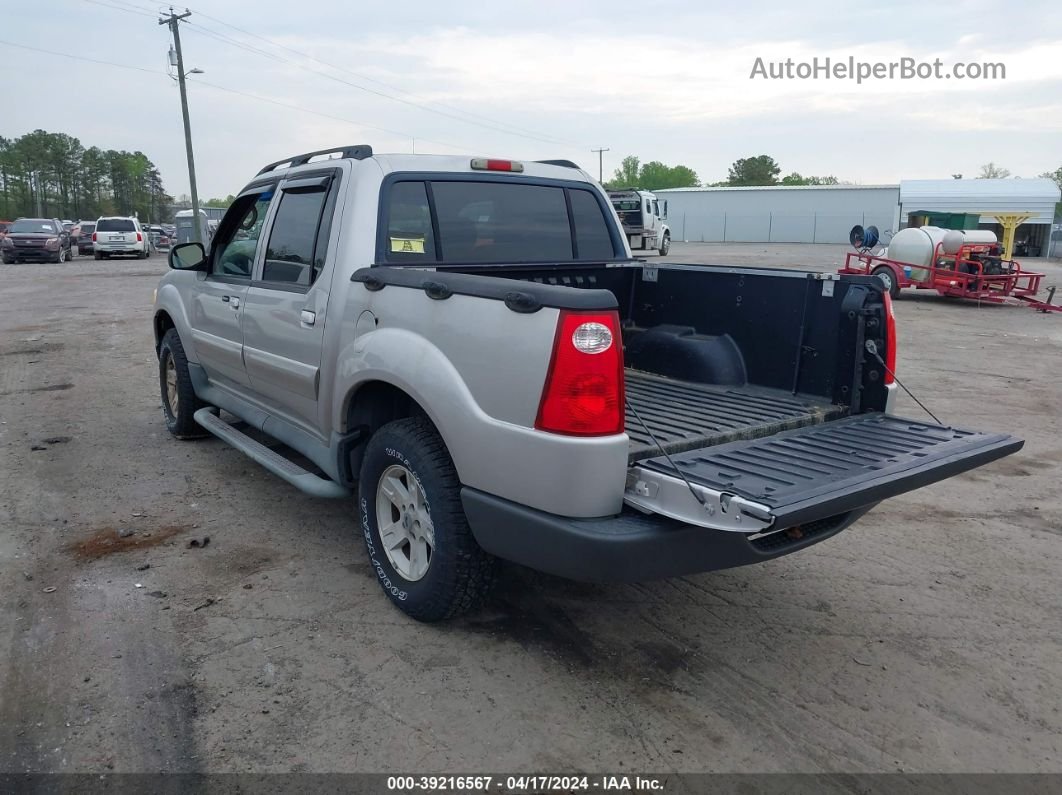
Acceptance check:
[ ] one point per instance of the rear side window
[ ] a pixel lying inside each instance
(409, 232)
(483, 221)
(115, 225)
(592, 238)
(292, 256)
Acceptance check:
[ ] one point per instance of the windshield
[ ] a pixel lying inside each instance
(115, 225)
(88, 229)
(38, 225)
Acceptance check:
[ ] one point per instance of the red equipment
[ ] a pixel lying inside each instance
(973, 273)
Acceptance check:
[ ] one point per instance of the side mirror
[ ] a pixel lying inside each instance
(188, 257)
(664, 216)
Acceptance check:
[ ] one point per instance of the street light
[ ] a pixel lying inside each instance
(195, 72)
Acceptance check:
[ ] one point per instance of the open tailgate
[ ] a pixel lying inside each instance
(811, 473)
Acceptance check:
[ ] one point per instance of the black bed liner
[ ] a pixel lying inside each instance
(686, 416)
(813, 472)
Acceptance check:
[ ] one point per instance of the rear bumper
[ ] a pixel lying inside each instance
(629, 547)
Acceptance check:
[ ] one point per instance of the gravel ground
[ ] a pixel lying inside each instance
(925, 638)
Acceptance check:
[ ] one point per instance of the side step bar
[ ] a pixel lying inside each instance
(281, 467)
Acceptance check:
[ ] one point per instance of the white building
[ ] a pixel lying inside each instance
(827, 213)
(779, 213)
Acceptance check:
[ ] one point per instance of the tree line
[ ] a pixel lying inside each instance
(53, 175)
(760, 170)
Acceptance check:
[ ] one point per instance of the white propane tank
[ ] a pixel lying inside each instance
(915, 247)
(979, 236)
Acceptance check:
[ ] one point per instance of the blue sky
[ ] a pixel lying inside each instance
(666, 81)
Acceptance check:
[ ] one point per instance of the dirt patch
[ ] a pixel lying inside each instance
(107, 541)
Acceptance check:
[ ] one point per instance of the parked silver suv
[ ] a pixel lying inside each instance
(468, 345)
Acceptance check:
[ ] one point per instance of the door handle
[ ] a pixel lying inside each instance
(307, 317)
(225, 298)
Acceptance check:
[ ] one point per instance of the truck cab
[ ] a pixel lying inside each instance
(642, 215)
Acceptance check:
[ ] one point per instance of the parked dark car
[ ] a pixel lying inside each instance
(36, 240)
(84, 237)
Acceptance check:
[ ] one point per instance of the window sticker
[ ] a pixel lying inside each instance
(407, 245)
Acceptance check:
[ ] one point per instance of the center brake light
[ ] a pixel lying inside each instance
(487, 164)
(583, 395)
(890, 339)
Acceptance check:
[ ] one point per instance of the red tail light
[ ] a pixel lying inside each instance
(139, 237)
(890, 339)
(93, 237)
(583, 395)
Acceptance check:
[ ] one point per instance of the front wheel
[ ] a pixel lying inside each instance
(60, 255)
(179, 402)
(418, 540)
(887, 277)
(665, 245)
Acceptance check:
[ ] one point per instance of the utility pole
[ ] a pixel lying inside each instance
(601, 163)
(174, 21)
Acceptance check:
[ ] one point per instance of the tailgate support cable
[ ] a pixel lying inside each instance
(667, 455)
(872, 349)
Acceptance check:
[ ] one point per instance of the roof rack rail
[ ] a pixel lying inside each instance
(565, 163)
(356, 152)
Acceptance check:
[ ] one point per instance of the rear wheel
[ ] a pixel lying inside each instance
(179, 403)
(419, 542)
(97, 255)
(888, 278)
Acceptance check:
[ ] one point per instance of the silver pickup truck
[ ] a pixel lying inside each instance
(468, 346)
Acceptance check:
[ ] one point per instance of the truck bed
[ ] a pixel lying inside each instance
(687, 416)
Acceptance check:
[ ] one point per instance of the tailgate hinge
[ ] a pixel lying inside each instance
(668, 495)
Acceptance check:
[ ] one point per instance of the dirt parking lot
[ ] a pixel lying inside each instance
(925, 638)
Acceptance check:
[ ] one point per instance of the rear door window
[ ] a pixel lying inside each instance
(296, 250)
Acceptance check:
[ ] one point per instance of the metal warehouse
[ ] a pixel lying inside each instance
(779, 214)
(826, 213)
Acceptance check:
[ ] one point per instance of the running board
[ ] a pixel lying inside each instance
(280, 466)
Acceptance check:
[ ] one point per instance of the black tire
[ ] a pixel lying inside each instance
(9, 261)
(887, 276)
(665, 245)
(459, 573)
(143, 254)
(97, 255)
(60, 255)
(180, 419)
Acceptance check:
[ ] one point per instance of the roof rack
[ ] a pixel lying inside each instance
(564, 163)
(356, 152)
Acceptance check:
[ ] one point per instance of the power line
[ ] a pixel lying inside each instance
(500, 127)
(231, 91)
(307, 56)
(83, 58)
